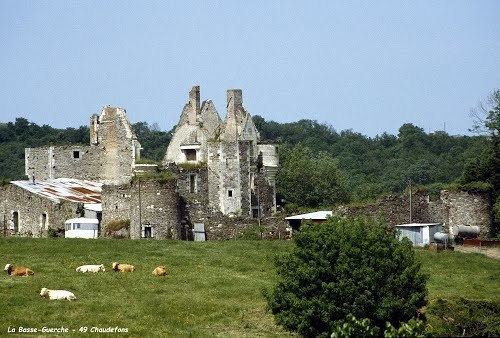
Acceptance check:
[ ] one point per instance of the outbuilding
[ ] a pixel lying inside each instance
(315, 217)
(81, 228)
(419, 234)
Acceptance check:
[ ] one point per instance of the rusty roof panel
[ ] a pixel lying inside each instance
(69, 189)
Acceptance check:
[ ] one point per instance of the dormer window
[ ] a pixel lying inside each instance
(190, 154)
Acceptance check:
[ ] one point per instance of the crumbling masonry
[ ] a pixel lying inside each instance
(220, 175)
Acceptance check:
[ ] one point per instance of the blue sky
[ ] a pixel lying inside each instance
(369, 67)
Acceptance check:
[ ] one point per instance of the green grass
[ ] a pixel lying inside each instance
(213, 288)
(456, 274)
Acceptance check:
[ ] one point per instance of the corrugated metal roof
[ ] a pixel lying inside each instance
(69, 189)
(312, 215)
(409, 225)
(82, 220)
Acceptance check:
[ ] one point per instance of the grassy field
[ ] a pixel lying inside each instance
(214, 288)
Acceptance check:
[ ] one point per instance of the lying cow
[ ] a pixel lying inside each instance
(160, 271)
(123, 267)
(18, 270)
(57, 294)
(91, 268)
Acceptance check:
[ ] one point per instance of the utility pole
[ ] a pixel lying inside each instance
(140, 210)
(409, 186)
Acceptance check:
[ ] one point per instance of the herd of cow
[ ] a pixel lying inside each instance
(63, 294)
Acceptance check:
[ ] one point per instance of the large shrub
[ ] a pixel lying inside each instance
(342, 267)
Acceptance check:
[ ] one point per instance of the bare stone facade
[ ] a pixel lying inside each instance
(109, 158)
(467, 208)
(23, 213)
(150, 205)
(230, 150)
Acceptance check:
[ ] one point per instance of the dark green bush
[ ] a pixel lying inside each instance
(464, 317)
(346, 266)
(55, 233)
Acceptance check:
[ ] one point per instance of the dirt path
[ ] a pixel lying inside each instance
(490, 252)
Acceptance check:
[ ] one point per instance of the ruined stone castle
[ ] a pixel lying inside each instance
(215, 172)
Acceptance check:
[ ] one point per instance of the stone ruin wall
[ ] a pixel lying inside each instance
(110, 158)
(46, 163)
(30, 208)
(467, 208)
(117, 147)
(147, 201)
(246, 166)
(220, 227)
(394, 209)
(266, 194)
(194, 205)
(453, 208)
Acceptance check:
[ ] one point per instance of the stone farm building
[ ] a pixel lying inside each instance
(214, 172)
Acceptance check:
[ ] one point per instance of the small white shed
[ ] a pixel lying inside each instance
(81, 228)
(419, 234)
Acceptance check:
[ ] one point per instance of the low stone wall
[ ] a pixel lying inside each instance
(226, 228)
(453, 208)
(394, 209)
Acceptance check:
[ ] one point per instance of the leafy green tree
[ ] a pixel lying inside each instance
(342, 267)
(486, 166)
(153, 141)
(487, 120)
(309, 180)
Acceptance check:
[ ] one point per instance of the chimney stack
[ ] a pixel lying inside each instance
(234, 100)
(94, 129)
(194, 101)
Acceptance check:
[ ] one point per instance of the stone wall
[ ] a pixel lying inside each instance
(246, 166)
(31, 209)
(110, 157)
(116, 204)
(467, 208)
(266, 195)
(394, 209)
(220, 227)
(194, 202)
(453, 208)
(146, 203)
(75, 161)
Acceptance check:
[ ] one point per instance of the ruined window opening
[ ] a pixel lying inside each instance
(229, 193)
(44, 220)
(116, 207)
(76, 154)
(190, 154)
(255, 213)
(192, 183)
(15, 221)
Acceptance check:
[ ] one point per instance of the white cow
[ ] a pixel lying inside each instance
(57, 294)
(90, 268)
